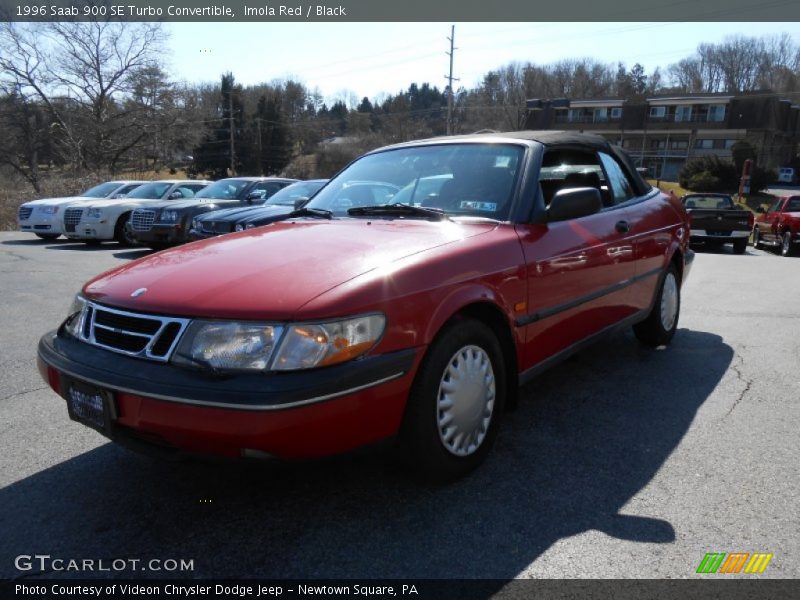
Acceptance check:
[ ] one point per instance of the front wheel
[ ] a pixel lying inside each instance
(786, 244)
(660, 325)
(453, 410)
(123, 233)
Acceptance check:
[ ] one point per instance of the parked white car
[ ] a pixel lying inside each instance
(95, 221)
(44, 217)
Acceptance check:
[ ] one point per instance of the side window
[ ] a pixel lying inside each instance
(776, 207)
(568, 168)
(269, 188)
(185, 191)
(195, 187)
(621, 188)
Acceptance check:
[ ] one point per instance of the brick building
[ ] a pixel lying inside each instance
(662, 132)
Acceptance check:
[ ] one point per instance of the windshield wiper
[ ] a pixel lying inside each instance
(320, 213)
(398, 208)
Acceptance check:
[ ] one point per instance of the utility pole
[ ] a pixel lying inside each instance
(450, 80)
(230, 127)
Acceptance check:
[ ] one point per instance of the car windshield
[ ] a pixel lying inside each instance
(101, 191)
(287, 196)
(150, 190)
(460, 179)
(708, 202)
(224, 189)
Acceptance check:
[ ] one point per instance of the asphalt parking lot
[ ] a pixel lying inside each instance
(622, 462)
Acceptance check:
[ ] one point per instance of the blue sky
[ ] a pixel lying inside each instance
(367, 59)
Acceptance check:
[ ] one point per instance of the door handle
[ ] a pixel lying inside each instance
(622, 226)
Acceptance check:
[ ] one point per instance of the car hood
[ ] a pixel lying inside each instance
(192, 203)
(232, 214)
(55, 201)
(98, 202)
(269, 273)
(264, 212)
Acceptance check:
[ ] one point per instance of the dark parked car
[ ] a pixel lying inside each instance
(276, 207)
(715, 221)
(360, 322)
(779, 226)
(168, 223)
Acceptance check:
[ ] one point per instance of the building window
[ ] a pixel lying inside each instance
(704, 144)
(679, 144)
(729, 144)
(616, 113)
(600, 115)
(683, 113)
(658, 144)
(573, 115)
(716, 113)
(658, 112)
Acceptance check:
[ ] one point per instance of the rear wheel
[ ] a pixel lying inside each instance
(786, 244)
(48, 236)
(453, 410)
(740, 246)
(756, 238)
(660, 325)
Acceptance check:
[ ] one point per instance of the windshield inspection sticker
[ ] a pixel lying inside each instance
(475, 205)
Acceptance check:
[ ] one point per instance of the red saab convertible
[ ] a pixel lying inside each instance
(409, 299)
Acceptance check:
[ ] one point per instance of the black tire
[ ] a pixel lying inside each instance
(756, 238)
(421, 443)
(122, 231)
(787, 248)
(740, 246)
(652, 331)
(48, 236)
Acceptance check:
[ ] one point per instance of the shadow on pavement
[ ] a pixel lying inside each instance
(37, 242)
(586, 438)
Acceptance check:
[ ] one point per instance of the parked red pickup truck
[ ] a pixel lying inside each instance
(408, 299)
(779, 226)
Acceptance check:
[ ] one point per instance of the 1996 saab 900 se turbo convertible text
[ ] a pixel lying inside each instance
(410, 298)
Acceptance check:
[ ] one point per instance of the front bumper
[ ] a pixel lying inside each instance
(288, 415)
(43, 225)
(87, 230)
(162, 233)
(200, 234)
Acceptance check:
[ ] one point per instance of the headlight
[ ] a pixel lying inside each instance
(94, 213)
(74, 320)
(249, 226)
(48, 210)
(308, 345)
(169, 216)
(195, 224)
(229, 346)
(238, 227)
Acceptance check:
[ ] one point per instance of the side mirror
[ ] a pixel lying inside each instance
(760, 209)
(572, 203)
(175, 196)
(300, 201)
(256, 195)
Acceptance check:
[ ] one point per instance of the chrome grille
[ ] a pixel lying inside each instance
(222, 226)
(142, 220)
(135, 334)
(25, 212)
(72, 216)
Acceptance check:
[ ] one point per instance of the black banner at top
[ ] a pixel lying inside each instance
(448, 11)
